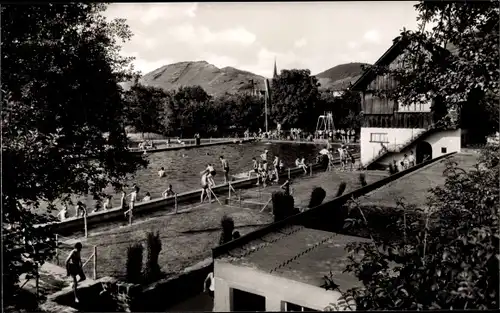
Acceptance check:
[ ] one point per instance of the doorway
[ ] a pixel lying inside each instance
(423, 152)
(246, 301)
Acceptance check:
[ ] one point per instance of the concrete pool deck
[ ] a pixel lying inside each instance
(189, 235)
(414, 186)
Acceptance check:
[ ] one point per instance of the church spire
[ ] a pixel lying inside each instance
(275, 74)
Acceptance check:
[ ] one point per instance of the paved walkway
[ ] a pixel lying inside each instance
(414, 186)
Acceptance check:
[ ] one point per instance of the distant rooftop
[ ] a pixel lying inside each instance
(298, 253)
(414, 186)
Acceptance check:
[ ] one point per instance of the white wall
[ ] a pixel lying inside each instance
(275, 289)
(394, 135)
(449, 139)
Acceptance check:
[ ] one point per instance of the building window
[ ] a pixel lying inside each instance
(246, 301)
(379, 137)
(291, 307)
(443, 150)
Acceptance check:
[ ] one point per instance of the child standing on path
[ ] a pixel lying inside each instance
(74, 267)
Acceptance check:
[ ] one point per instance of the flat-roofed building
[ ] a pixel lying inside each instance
(283, 270)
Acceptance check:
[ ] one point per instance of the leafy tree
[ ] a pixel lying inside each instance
(294, 98)
(345, 109)
(145, 106)
(470, 33)
(186, 110)
(446, 257)
(62, 119)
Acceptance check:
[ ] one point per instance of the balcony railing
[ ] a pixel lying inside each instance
(399, 120)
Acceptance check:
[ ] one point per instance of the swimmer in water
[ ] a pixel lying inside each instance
(161, 172)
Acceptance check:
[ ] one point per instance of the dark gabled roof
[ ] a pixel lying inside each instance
(390, 55)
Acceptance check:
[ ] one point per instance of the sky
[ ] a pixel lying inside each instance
(250, 36)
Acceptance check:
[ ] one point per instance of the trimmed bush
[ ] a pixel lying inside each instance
(317, 196)
(283, 205)
(341, 189)
(134, 263)
(227, 225)
(154, 248)
(362, 179)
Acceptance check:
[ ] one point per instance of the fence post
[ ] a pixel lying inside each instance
(130, 214)
(37, 280)
(288, 173)
(311, 172)
(229, 191)
(175, 202)
(57, 249)
(85, 225)
(239, 197)
(95, 263)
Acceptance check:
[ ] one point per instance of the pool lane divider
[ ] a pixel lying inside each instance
(77, 224)
(222, 142)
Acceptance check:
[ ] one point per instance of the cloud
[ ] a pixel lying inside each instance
(300, 43)
(353, 44)
(372, 36)
(203, 35)
(147, 14)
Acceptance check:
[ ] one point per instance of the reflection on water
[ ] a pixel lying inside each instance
(183, 167)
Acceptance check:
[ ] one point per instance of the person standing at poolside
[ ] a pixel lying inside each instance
(276, 164)
(263, 156)
(411, 159)
(74, 267)
(225, 168)
(210, 281)
(107, 202)
(80, 209)
(255, 167)
(205, 188)
(406, 162)
(133, 199)
(123, 200)
(63, 214)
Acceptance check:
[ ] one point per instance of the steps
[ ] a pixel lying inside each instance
(400, 147)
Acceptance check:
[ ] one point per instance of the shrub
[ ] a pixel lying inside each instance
(154, 249)
(445, 257)
(134, 263)
(362, 179)
(227, 225)
(283, 206)
(317, 196)
(341, 189)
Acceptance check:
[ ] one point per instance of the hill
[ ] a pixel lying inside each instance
(212, 79)
(339, 77)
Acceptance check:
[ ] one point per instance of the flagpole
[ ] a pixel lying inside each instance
(265, 108)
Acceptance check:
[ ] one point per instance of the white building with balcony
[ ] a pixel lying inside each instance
(391, 129)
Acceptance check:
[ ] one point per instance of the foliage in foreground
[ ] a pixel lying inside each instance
(62, 113)
(446, 258)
